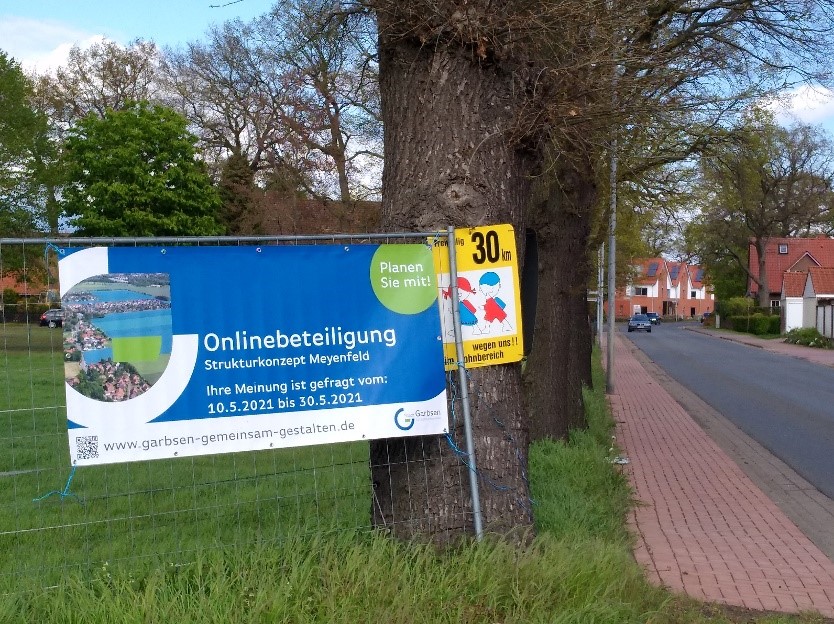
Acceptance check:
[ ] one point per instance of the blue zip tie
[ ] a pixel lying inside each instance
(56, 249)
(455, 448)
(65, 493)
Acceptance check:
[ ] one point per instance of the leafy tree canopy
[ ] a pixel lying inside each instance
(764, 181)
(20, 129)
(133, 172)
(100, 77)
(17, 119)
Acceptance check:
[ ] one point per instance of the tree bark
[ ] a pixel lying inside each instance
(764, 287)
(559, 363)
(449, 161)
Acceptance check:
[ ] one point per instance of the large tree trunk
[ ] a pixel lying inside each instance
(560, 361)
(764, 286)
(449, 161)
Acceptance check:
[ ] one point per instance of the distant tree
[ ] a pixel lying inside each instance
(232, 99)
(330, 60)
(133, 172)
(764, 181)
(21, 128)
(294, 92)
(236, 188)
(105, 76)
(661, 200)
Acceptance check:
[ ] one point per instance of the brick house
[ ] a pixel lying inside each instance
(27, 292)
(672, 289)
(796, 255)
(24, 288)
(799, 274)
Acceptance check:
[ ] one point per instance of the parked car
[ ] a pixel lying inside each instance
(52, 318)
(638, 322)
(654, 317)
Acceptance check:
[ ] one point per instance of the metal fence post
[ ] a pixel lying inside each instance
(464, 389)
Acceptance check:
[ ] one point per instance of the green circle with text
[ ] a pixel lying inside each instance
(403, 279)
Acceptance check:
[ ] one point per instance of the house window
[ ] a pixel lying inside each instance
(693, 294)
(641, 291)
(783, 248)
(774, 303)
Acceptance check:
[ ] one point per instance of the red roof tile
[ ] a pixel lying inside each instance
(22, 285)
(695, 272)
(818, 251)
(676, 271)
(10, 281)
(645, 264)
(822, 279)
(793, 283)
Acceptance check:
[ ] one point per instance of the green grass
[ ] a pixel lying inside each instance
(281, 537)
(349, 578)
(359, 578)
(165, 510)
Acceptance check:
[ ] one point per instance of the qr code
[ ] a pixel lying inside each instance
(86, 447)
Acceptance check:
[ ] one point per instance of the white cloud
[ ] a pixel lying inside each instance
(807, 104)
(41, 45)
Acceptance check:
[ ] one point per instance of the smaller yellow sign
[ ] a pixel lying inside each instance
(489, 296)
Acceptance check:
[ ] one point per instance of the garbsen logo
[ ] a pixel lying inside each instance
(408, 421)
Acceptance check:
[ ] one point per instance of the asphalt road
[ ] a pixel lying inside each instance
(785, 404)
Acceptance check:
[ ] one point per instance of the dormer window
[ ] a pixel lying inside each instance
(783, 248)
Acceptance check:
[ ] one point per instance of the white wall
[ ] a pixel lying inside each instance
(809, 312)
(825, 320)
(792, 308)
(651, 290)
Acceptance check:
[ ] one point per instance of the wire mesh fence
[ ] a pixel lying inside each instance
(56, 518)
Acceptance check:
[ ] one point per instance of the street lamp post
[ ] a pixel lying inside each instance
(600, 283)
(612, 259)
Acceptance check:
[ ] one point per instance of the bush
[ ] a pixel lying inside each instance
(768, 325)
(10, 296)
(735, 306)
(757, 324)
(23, 312)
(809, 337)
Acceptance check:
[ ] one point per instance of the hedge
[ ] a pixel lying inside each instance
(23, 312)
(757, 324)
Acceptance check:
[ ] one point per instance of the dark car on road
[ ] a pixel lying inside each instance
(654, 317)
(52, 318)
(639, 322)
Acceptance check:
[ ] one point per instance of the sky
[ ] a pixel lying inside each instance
(39, 34)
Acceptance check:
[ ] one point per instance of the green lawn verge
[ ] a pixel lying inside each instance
(282, 536)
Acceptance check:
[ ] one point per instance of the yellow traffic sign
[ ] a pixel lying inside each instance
(489, 296)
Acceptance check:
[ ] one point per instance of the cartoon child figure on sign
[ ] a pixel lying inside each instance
(466, 306)
(489, 285)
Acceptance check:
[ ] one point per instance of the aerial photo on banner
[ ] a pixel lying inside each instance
(183, 351)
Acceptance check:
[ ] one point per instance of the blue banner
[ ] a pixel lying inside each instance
(182, 351)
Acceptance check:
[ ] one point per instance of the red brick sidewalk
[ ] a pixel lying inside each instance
(702, 526)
